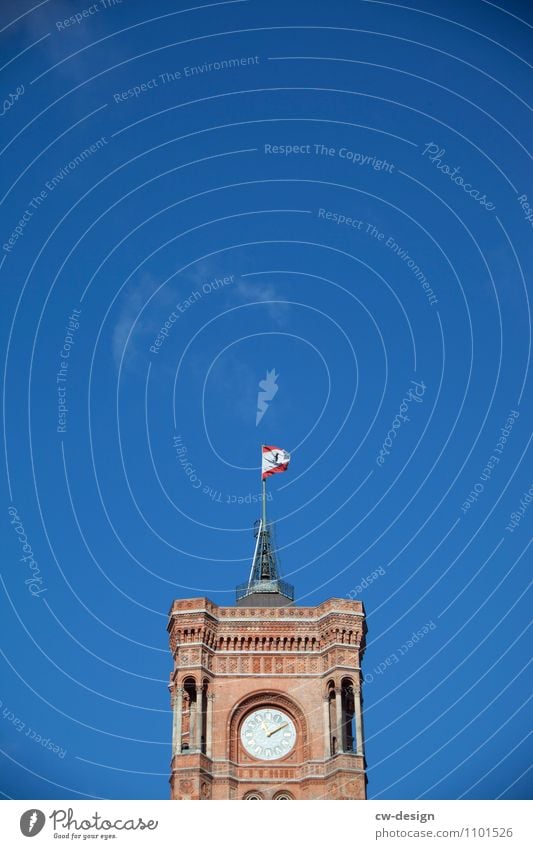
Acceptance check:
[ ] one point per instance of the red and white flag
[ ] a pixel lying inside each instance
(274, 460)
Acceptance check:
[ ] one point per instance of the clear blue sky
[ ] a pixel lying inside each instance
(346, 204)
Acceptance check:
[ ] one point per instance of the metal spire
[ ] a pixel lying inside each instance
(264, 587)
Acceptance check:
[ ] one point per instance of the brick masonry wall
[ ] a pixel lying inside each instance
(250, 657)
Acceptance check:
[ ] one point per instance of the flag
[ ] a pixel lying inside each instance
(274, 460)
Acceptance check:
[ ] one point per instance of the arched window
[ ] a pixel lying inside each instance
(332, 713)
(189, 705)
(203, 714)
(194, 716)
(283, 795)
(348, 715)
(252, 795)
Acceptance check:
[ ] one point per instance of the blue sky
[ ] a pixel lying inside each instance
(350, 204)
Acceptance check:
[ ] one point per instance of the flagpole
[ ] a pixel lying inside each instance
(264, 519)
(263, 492)
(264, 575)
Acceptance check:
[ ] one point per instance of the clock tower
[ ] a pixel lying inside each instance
(266, 694)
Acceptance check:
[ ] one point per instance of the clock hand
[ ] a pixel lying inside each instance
(270, 733)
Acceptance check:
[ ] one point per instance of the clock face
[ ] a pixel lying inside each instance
(268, 733)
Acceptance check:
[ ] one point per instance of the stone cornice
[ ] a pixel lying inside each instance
(267, 652)
(333, 606)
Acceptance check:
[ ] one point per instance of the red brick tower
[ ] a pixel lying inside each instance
(266, 695)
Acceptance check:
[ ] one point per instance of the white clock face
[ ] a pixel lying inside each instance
(268, 734)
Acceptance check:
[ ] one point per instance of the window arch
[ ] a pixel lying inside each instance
(253, 794)
(283, 795)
